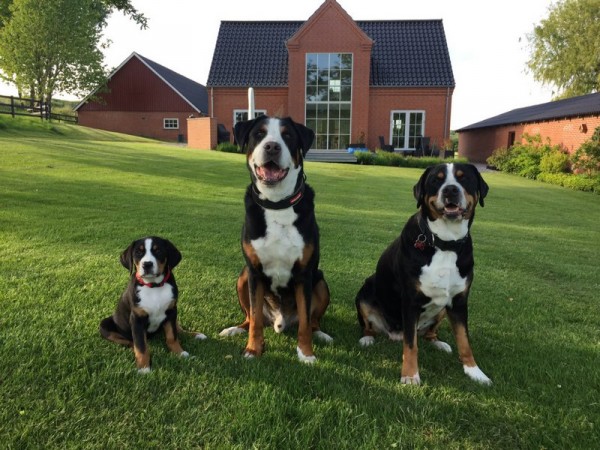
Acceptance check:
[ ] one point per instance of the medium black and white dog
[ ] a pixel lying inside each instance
(150, 301)
(281, 284)
(426, 273)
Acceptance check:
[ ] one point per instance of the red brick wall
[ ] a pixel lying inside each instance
(331, 30)
(226, 100)
(478, 145)
(202, 133)
(437, 104)
(145, 124)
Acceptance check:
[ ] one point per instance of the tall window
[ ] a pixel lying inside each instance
(328, 98)
(406, 128)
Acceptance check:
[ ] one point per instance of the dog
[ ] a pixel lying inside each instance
(426, 273)
(281, 284)
(149, 302)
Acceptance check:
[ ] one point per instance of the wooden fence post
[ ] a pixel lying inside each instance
(12, 106)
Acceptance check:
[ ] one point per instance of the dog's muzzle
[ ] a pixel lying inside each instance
(452, 202)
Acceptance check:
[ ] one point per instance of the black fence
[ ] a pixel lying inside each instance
(21, 106)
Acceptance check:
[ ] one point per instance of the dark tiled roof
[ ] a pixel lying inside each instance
(405, 53)
(584, 105)
(194, 93)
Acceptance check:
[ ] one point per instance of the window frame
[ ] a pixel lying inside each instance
(174, 120)
(393, 139)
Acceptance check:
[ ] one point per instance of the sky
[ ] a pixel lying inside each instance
(487, 41)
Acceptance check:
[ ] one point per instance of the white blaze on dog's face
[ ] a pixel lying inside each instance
(275, 151)
(148, 264)
(449, 193)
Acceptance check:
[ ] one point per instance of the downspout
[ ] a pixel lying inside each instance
(212, 103)
(446, 121)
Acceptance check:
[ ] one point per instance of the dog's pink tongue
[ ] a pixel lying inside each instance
(270, 173)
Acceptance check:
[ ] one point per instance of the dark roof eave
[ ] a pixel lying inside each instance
(525, 122)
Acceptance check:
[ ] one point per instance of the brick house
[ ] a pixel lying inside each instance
(350, 81)
(145, 99)
(569, 123)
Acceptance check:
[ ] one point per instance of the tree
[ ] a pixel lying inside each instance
(55, 45)
(565, 48)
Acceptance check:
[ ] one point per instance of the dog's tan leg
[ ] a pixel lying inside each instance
(432, 334)
(305, 351)
(142, 355)
(243, 292)
(320, 302)
(461, 334)
(256, 339)
(172, 340)
(410, 363)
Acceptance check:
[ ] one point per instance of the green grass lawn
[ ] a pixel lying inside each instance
(72, 199)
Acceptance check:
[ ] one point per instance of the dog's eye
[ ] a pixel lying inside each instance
(260, 134)
(139, 252)
(286, 135)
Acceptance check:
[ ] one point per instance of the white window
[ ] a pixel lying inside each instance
(240, 115)
(171, 124)
(406, 127)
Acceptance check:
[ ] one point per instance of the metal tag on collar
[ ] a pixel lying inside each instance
(420, 242)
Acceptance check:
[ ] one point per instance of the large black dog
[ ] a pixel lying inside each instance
(281, 284)
(426, 273)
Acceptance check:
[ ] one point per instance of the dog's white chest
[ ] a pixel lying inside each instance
(281, 246)
(155, 301)
(440, 281)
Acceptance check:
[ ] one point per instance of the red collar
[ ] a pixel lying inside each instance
(153, 285)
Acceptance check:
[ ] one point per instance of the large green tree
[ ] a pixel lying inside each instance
(55, 46)
(565, 48)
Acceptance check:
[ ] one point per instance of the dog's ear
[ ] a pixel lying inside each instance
(306, 135)
(482, 187)
(127, 257)
(173, 255)
(419, 188)
(241, 132)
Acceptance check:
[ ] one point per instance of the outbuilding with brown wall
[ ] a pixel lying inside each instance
(568, 123)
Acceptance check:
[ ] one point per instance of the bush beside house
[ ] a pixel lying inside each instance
(551, 164)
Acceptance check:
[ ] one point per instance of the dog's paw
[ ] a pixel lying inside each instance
(144, 370)
(249, 355)
(231, 331)
(442, 346)
(415, 379)
(475, 374)
(184, 354)
(396, 336)
(200, 336)
(365, 341)
(323, 336)
(305, 359)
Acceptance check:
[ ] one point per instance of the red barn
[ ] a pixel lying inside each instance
(145, 99)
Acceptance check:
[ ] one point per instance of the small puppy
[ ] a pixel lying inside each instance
(149, 302)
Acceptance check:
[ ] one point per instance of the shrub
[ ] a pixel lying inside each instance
(381, 158)
(587, 157)
(576, 182)
(524, 158)
(228, 147)
(555, 162)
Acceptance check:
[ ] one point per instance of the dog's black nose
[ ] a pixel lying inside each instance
(147, 265)
(450, 191)
(272, 148)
